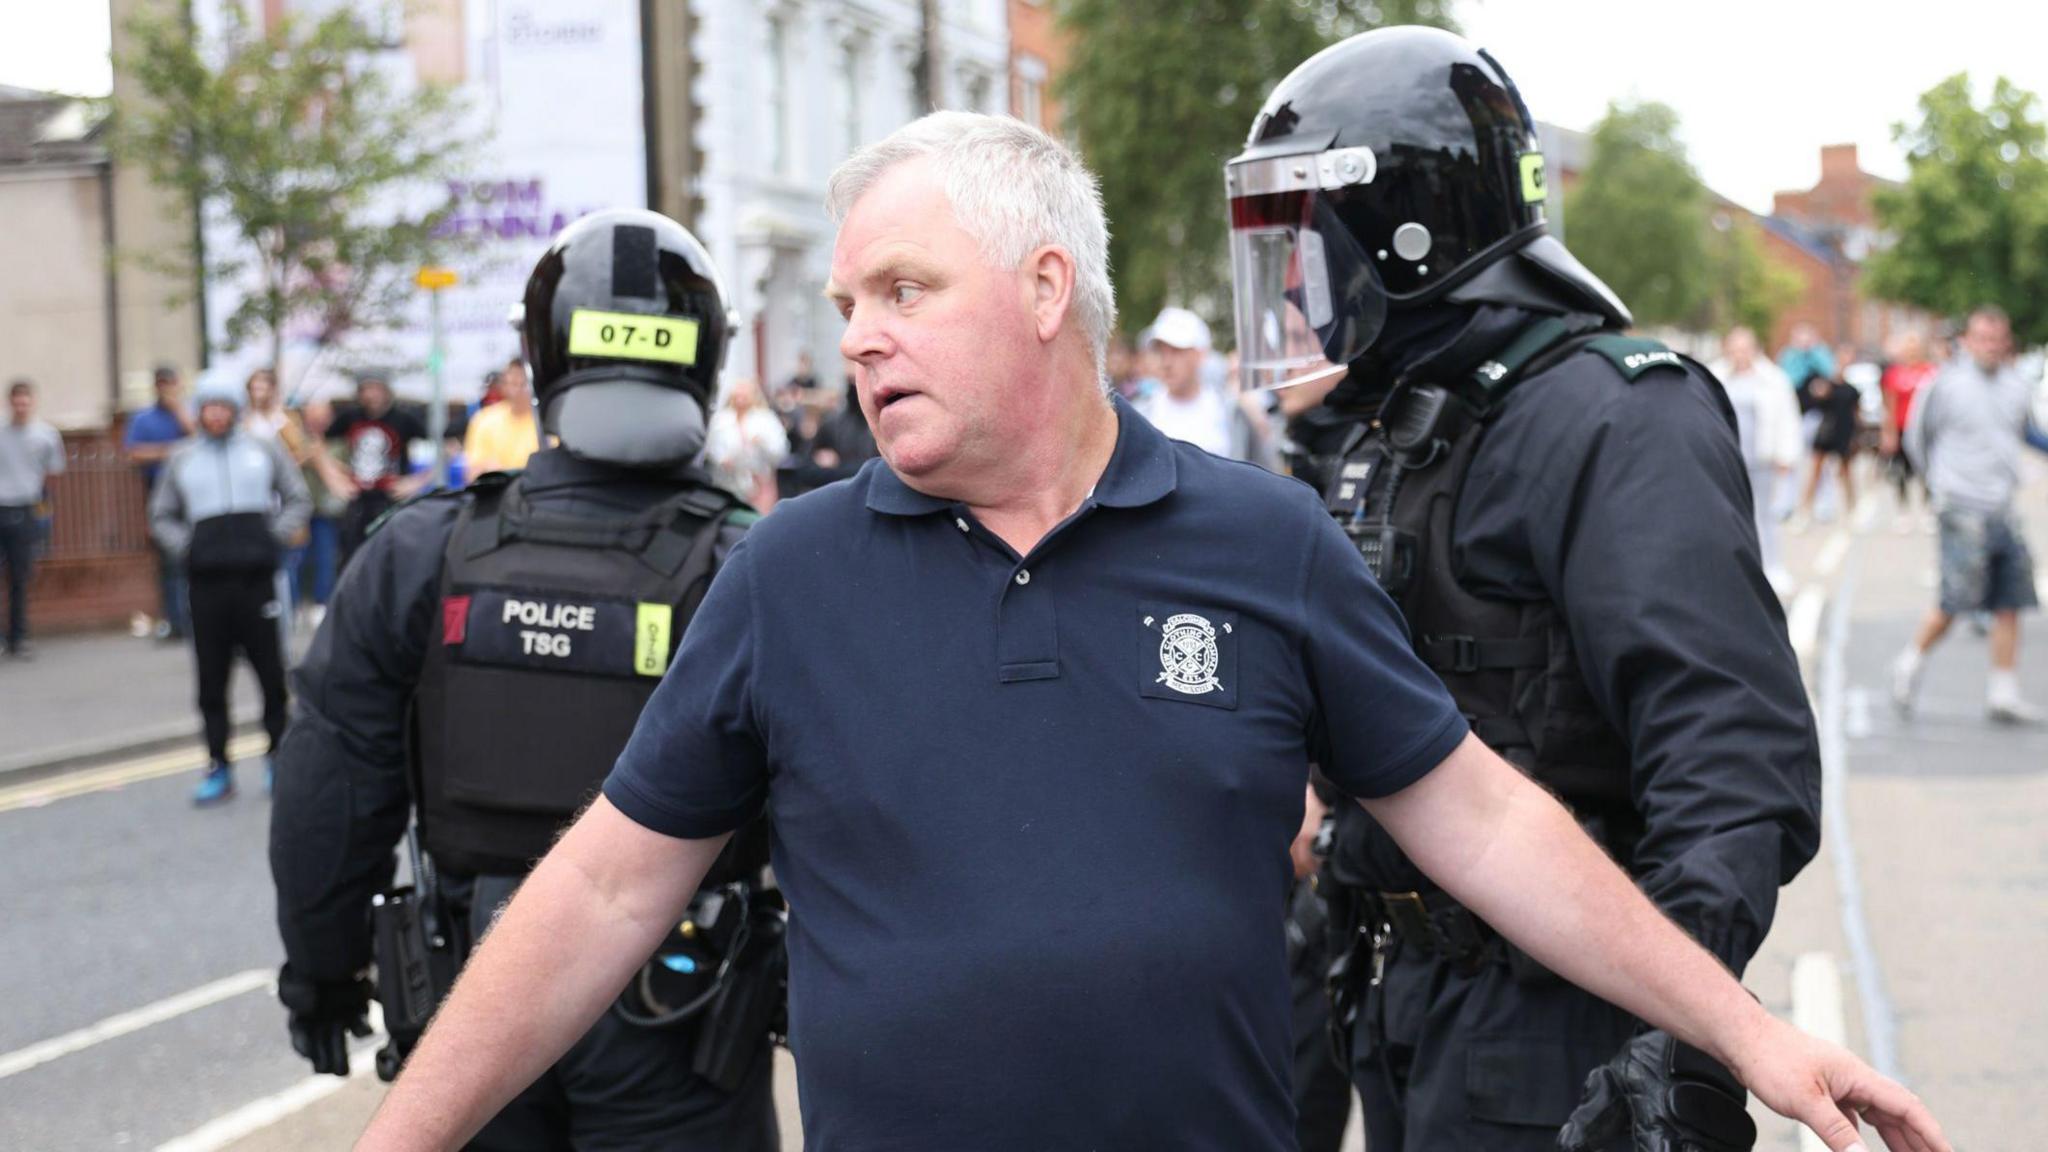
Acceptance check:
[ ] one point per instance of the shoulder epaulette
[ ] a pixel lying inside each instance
(1633, 355)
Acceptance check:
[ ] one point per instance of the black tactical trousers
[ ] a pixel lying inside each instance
(237, 612)
(1491, 1062)
(623, 1088)
(1322, 1092)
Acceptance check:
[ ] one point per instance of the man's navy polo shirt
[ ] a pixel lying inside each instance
(1032, 815)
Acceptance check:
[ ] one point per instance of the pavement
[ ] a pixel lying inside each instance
(138, 945)
(99, 696)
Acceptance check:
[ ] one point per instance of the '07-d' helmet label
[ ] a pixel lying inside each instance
(547, 631)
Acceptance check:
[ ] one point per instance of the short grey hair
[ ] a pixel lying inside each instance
(1013, 188)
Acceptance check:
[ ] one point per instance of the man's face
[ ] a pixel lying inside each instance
(940, 338)
(374, 396)
(1180, 369)
(512, 386)
(216, 419)
(21, 405)
(1987, 340)
(1740, 348)
(1804, 336)
(167, 390)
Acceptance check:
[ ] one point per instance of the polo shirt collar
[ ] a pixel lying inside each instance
(1141, 471)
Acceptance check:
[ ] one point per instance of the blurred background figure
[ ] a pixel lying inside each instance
(1182, 407)
(1902, 380)
(30, 453)
(744, 444)
(1836, 407)
(320, 466)
(227, 505)
(379, 437)
(152, 434)
(1965, 435)
(503, 434)
(1767, 420)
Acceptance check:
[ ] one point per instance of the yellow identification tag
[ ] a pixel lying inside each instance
(1533, 187)
(650, 639)
(626, 336)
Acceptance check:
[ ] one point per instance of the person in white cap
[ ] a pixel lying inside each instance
(1184, 409)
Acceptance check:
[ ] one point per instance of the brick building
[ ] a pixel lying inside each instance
(1038, 51)
(1823, 234)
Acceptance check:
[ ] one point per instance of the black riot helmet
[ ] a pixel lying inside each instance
(625, 326)
(1393, 170)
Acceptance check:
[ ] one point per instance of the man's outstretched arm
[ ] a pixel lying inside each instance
(589, 915)
(1507, 850)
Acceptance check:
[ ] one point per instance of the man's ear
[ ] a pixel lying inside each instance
(1051, 272)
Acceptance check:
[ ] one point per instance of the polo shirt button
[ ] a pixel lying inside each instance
(1023, 576)
(961, 521)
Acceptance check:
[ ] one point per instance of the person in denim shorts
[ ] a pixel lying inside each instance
(1965, 435)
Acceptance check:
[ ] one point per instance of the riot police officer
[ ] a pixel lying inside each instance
(1560, 510)
(482, 663)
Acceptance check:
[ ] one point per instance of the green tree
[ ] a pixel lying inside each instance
(1639, 215)
(1744, 286)
(327, 172)
(1970, 224)
(1160, 93)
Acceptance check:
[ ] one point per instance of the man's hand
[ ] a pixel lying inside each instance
(323, 1015)
(1827, 1089)
(1303, 850)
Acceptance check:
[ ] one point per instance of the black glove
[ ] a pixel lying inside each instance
(1658, 1095)
(324, 1014)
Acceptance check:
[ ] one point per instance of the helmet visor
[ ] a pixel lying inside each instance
(1308, 301)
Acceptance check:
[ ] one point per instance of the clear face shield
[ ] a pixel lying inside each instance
(1308, 299)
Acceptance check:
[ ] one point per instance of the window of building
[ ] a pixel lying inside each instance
(778, 98)
(978, 93)
(1027, 101)
(849, 94)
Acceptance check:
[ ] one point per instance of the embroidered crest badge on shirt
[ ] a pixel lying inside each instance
(1188, 655)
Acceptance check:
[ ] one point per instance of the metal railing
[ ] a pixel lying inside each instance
(99, 507)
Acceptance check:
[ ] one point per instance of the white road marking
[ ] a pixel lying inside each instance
(1817, 1011)
(257, 1115)
(40, 792)
(1830, 557)
(1879, 1023)
(134, 1020)
(1856, 720)
(1803, 621)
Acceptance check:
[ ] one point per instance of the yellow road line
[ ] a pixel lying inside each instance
(69, 784)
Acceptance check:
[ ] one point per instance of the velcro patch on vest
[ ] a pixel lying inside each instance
(1635, 356)
(584, 635)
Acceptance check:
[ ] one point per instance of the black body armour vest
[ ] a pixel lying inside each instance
(552, 634)
(1509, 664)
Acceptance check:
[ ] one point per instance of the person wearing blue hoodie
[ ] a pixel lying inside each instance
(226, 506)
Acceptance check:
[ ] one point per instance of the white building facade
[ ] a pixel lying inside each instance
(786, 89)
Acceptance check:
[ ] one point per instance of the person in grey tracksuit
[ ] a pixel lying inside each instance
(227, 505)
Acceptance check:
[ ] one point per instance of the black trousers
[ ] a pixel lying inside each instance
(17, 552)
(623, 1088)
(1490, 1062)
(1322, 1090)
(356, 520)
(237, 612)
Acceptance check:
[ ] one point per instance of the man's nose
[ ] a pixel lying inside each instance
(863, 337)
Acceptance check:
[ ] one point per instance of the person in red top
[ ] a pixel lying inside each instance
(1909, 369)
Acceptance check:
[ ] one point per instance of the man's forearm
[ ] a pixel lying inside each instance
(1542, 882)
(557, 956)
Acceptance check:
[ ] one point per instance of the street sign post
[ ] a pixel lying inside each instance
(434, 279)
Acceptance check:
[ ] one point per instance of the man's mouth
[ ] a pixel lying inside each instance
(886, 395)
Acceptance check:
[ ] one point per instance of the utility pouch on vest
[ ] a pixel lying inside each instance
(553, 632)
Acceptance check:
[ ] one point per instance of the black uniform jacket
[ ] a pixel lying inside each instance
(1625, 503)
(342, 798)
